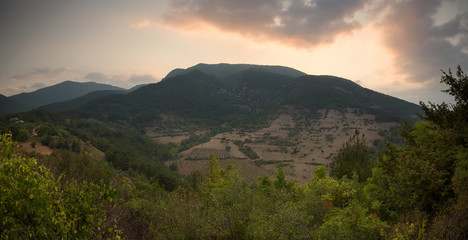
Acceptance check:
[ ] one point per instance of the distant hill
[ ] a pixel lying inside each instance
(57, 93)
(222, 93)
(193, 95)
(79, 101)
(224, 70)
(136, 87)
(8, 105)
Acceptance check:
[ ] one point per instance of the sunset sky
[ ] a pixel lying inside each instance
(397, 47)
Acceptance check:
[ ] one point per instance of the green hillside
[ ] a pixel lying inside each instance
(416, 190)
(212, 97)
(79, 101)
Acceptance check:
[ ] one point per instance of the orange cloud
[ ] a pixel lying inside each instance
(294, 23)
(419, 47)
(142, 23)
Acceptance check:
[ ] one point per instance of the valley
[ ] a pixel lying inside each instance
(292, 141)
(237, 152)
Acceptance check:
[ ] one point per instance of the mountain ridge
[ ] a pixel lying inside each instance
(208, 95)
(224, 70)
(56, 93)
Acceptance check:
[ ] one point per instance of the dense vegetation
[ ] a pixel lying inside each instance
(414, 191)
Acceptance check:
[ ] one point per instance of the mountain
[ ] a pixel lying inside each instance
(271, 116)
(329, 92)
(79, 101)
(57, 93)
(224, 70)
(136, 87)
(224, 93)
(8, 105)
(193, 95)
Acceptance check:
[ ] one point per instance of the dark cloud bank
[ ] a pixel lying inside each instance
(421, 47)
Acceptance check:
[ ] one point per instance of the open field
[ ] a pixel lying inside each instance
(292, 141)
(46, 150)
(39, 148)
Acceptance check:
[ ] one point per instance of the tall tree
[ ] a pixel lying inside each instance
(353, 158)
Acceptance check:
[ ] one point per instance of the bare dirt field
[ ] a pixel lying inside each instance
(296, 143)
(39, 148)
(170, 139)
(46, 150)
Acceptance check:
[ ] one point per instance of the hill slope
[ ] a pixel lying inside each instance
(57, 93)
(241, 92)
(224, 70)
(79, 101)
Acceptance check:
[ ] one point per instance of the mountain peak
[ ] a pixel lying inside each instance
(56, 93)
(224, 70)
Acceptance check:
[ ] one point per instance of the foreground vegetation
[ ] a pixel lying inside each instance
(414, 191)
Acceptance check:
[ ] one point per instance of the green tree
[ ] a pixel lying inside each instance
(417, 175)
(35, 204)
(452, 221)
(426, 178)
(450, 116)
(353, 158)
(23, 135)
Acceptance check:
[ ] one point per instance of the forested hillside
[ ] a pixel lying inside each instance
(212, 95)
(414, 191)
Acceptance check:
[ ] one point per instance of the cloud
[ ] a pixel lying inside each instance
(40, 73)
(115, 80)
(420, 43)
(420, 47)
(139, 79)
(38, 85)
(10, 91)
(142, 23)
(98, 77)
(35, 79)
(300, 23)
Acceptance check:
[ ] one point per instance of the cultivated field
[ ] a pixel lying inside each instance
(245, 168)
(205, 153)
(292, 141)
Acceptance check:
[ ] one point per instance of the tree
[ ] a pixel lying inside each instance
(353, 158)
(427, 177)
(35, 204)
(451, 116)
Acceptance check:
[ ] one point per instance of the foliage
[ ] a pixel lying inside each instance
(35, 204)
(417, 176)
(129, 151)
(246, 149)
(417, 189)
(428, 174)
(19, 132)
(353, 158)
(451, 116)
(193, 140)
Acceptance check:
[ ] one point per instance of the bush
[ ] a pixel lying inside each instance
(34, 204)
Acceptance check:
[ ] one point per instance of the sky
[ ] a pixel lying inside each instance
(397, 47)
